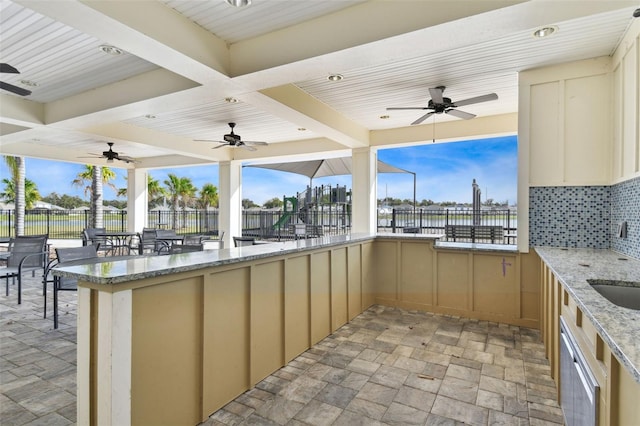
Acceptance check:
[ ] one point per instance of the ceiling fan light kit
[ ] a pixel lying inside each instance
(234, 140)
(438, 104)
(111, 155)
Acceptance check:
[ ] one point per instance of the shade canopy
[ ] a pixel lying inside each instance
(324, 167)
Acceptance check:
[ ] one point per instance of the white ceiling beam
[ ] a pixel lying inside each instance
(447, 131)
(146, 29)
(20, 112)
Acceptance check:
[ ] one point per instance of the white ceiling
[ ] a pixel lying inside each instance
(183, 58)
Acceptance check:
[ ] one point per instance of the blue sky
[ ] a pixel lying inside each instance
(444, 172)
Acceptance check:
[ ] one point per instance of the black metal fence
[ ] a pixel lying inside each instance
(427, 221)
(264, 224)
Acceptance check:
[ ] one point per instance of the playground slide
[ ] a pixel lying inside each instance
(283, 220)
(287, 213)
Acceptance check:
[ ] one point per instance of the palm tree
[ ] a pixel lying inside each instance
(93, 178)
(154, 190)
(208, 196)
(31, 194)
(18, 172)
(179, 189)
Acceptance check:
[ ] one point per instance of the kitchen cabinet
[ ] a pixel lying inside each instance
(617, 403)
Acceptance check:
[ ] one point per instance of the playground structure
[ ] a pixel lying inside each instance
(322, 210)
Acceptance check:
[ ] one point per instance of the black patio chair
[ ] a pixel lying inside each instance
(147, 241)
(65, 255)
(28, 254)
(243, 241)
(185, 248)
(192, 239)
(91, 236)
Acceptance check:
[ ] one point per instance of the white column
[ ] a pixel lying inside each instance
(230, 206)
(364, 167)
(114, 359)
(137, 200)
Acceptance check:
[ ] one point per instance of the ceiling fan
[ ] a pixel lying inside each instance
(439, 104)
(231, 139)
(8, 69)
(111, 155)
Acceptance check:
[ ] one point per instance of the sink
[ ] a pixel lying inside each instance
(621, 293)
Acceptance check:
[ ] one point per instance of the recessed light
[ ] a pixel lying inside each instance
(231, 100)
(29, 83)
(335, 77)
(384, 117)
(111, 50)
(545, 31)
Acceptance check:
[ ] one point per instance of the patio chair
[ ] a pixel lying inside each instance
(243, 241)
(192, 239)
(65, 255)
(28, 254)
(147, 241)
(91, 236)
(185, 248)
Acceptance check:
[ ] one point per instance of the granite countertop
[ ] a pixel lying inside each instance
(619, 327)
(476, 246)
(109, 272)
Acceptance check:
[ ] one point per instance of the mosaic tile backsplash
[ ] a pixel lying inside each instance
(586, 216)
(625, 206)
(570, 216)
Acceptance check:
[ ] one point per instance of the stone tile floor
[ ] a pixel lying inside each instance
(387, 366)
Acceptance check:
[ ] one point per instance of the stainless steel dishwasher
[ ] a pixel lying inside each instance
(579, 391)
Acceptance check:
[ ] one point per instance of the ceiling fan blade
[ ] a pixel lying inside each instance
(477, 99)
(255, 143)
(127, 159)
(6, 68)
(14, 89)
(207, 140)
(222, 144)
(460, 114)
(424, 117)
(247, 147)
(436, 94)
(402, 108)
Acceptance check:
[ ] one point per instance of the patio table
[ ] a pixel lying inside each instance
(120, 241)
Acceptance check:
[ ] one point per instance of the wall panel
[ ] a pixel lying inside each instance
(297, 309)
(338, 288)
(167, 320)
(546, 154)
(586, 130)
(417, 273)
(267, 319)
(354, 281)
(453, 280)
(320, 296)
(226, 317)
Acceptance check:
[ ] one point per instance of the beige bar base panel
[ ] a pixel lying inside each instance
(173, 348)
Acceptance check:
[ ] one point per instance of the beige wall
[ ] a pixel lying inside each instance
(201, 338)
(495, 286)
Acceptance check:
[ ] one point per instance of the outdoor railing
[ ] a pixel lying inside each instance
(427, 221)
(266, 224)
